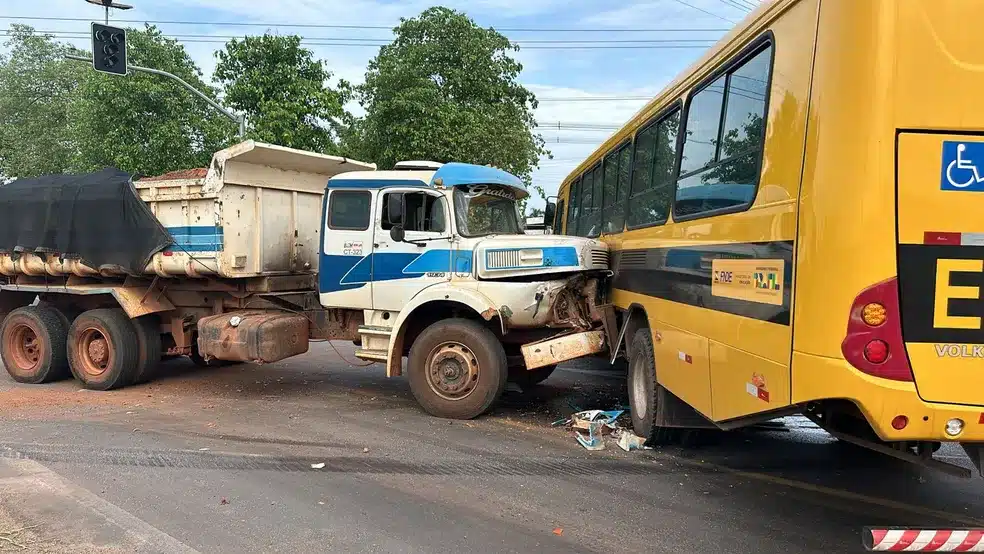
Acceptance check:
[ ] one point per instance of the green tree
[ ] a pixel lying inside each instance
(742, 142)
(446, 90)
(36, 90)
(61, 116)
(282, 90)
(144, 123)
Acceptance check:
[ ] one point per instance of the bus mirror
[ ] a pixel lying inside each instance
(394, 208)
(549, 213)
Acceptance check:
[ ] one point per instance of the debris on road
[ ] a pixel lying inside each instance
(559, 531)
(590, 427)
(318, 466)
(365, 450)
(629, 441)
(224, 501)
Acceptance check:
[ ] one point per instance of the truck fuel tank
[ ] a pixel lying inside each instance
(255, 336)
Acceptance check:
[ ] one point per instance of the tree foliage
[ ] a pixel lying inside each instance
(36, 88)
(282, 90)
(146, 123)
(61, 116)
(446, 90)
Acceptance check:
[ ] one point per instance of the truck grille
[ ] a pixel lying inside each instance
(599, 258)
(500, 259)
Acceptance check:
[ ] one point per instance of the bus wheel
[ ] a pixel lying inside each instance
(103, 348)
(148, 330)
(457, 369)
(32, 345)
(643, 389)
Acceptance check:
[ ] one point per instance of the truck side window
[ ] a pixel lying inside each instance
(425, 213)
(348, 210)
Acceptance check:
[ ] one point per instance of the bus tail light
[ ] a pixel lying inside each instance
(874, 333)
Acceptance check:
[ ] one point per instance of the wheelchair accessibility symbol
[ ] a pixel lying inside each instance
(960, 169)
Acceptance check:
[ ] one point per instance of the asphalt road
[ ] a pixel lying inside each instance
(220, 460)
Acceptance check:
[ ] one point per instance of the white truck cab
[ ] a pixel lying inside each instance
(437, 258)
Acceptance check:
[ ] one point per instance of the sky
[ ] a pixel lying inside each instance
(591, 63)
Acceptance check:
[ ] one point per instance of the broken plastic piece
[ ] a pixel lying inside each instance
(629, 441)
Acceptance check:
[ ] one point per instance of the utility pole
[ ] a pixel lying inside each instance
(109, 4)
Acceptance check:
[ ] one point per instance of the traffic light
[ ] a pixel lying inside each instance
(108, 49)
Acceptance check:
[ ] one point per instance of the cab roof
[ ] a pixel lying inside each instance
(448, 175)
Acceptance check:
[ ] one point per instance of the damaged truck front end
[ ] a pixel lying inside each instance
(551, 315)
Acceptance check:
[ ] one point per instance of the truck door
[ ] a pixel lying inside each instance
(345, 268)
(402, 269)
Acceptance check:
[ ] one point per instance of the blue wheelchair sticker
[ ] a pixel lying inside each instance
(960, 169)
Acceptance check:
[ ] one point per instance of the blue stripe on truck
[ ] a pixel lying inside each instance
(197, 238)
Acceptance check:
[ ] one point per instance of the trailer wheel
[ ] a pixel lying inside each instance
(33, 345)
(644, 389)
(103, 348)
(150, 349)
(457, 369)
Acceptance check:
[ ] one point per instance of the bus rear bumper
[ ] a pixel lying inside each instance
(882, 401)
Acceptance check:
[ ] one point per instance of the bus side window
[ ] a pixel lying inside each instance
(573, 207)
(652, 179)
(720, 169)
(558, 217)
(617, 171)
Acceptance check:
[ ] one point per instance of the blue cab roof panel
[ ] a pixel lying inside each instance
(458, 174)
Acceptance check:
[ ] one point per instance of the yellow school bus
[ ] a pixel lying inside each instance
(797, 226)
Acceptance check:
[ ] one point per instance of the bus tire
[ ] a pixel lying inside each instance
(103, 348)
(644, 389)
(457, 369)
(151, 348)
(32, 345)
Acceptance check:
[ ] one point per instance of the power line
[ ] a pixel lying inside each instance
(375, 41)
(382, 27)
(702, 10)
(314, 42)
(734, 4)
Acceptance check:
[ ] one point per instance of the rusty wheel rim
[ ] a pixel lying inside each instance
(25, 346)
(452, 371)
(95, 352)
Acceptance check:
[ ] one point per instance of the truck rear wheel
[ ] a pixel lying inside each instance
(644, 389)
(457, 369)
(33, 345)
(151, 348)
(103, 348)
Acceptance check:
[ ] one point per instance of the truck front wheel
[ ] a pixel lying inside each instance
(457, 369)
(103, 348)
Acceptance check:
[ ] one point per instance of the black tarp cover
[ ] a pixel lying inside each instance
(96, 217)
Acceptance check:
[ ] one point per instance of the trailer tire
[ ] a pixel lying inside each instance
(644, 389)
(150, 349)
(103, 349)
(457, 369)
(33, 345)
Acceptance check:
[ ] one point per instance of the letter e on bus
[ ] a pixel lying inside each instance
(945, 291)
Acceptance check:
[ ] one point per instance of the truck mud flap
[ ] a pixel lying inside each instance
(563, 348)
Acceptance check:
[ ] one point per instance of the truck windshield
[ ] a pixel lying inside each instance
(486, 210)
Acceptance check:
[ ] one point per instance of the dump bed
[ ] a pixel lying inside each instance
(255, 211)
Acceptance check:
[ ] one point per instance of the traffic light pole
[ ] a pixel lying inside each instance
(240, 119)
